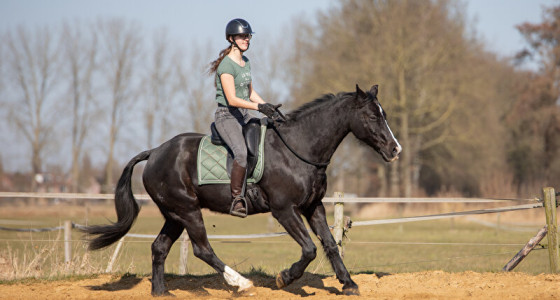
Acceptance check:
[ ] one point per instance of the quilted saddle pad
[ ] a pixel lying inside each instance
(212, 162)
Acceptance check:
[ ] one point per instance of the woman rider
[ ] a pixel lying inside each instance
(235, 95)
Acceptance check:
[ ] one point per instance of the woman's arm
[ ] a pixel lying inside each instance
(253, 96)
(228, 85)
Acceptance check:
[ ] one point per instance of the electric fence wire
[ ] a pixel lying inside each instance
(358, 223)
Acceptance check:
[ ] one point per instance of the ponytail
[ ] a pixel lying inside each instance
(214, 65)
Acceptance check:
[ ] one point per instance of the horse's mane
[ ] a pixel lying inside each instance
(312, 106)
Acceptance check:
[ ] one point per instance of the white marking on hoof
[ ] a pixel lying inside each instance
(235, 279)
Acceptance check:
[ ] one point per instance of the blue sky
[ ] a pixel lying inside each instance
(204, 21)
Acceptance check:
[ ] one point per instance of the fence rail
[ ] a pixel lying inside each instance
(325, 200)
(66, 195)
(340, 225)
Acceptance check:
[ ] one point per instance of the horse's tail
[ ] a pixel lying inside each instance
(125, 205)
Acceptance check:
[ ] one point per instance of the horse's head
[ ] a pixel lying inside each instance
(370, 125)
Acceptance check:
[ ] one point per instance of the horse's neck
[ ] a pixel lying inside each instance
(317, 136)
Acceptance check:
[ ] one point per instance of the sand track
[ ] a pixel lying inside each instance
(423, 285)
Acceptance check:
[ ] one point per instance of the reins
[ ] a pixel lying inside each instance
(316, 164)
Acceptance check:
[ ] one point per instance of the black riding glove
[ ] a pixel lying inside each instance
(268, 109)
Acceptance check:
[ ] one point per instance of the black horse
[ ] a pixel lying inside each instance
(289, 188)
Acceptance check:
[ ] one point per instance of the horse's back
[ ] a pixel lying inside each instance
(184, 144)
(172, 165)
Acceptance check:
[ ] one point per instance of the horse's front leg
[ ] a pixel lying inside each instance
(293, 223)
(315, 216)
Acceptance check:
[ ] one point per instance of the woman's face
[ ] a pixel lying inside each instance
(242, 41)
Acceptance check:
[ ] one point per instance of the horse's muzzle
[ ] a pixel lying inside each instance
(393, 155)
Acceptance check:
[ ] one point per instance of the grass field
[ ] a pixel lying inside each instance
(448, 245)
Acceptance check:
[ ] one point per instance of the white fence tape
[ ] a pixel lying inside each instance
(326, 199)
(447, 215)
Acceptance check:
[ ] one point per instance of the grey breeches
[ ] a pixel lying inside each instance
(229, 123)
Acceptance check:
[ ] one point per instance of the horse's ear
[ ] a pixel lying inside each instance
(359, 92)
(374, 90)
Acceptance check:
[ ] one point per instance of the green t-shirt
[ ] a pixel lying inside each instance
(241, 76)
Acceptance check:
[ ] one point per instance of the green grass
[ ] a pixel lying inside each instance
(393, 248)
(457, 247)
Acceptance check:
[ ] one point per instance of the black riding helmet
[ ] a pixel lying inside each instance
(237, 26)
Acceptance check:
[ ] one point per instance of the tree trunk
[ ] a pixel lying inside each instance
(382, 175)
(404, 137)
(108, 184)
(394, 179)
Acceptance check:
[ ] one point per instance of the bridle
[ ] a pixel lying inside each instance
(273, 125)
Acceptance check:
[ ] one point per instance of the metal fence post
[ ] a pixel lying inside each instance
(552, 236)
(114, 257)
(67, 242)
(184, 252)
(338, 230)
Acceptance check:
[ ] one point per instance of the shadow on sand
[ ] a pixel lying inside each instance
(199, 284)
(126, 282)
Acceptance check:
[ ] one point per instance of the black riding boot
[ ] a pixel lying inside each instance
(239, 204)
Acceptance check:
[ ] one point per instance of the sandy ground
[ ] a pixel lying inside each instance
(424, 285)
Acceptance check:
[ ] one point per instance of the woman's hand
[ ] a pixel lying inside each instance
(268, 109)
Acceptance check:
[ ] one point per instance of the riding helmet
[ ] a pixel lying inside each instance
(238, 26)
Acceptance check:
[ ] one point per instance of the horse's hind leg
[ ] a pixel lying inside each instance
(292, 222)
(192, 221)
(315, 216)
(160, 248)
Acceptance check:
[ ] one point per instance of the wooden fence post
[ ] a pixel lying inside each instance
(550, 210)
(338, 230)
(184, 252)
(525, 250)
(67, 242)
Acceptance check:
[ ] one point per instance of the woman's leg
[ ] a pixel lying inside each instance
(229, 126)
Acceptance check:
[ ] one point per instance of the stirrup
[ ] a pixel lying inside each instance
(236, 213)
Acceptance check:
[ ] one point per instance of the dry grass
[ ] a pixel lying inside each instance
(41, 255)
(43, 260)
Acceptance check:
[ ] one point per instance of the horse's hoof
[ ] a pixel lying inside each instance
(351, 291)
(248, 292)
(163, 294)
(279, 281)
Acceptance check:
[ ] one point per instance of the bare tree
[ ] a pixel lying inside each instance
(80, 52)
(162, 88)
(534, 121)
(268, 69)
(420, 54)
(2, 94)
(122, 48)
(32, 59)
(197, 91)
(2, 66)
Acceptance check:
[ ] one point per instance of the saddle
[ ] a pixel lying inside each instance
(252, 134)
